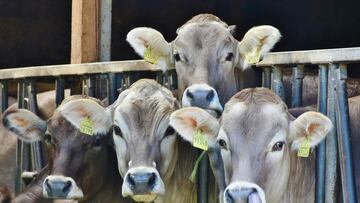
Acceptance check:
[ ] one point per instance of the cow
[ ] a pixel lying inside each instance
(46, 106)
(210, 63)
(82, 163)
(154, 163)
(260, 142)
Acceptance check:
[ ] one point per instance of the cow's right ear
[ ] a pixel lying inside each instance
(190, 120)
(25, 124)
(151, 45)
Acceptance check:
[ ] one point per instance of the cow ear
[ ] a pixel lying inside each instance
(189, 121)
(151, 45)
(311, 125)
(256, 42)
(25, 124)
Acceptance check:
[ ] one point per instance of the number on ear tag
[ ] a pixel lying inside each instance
(304, 148)
(200, 141)
(86, 126)
(150, 56)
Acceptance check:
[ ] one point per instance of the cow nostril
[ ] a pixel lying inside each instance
(228, 197)
(189, 95)
(47, 185)
(67, 187)
(152, 180)
(210, 95)
(130, 180)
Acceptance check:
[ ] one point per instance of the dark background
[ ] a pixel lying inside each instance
(37, 32)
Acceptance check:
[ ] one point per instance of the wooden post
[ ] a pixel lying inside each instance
(85, 31)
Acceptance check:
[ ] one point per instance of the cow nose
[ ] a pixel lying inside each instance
(141, 183)
(202, 96)
(61, 187)
(57, 188)
(244, 192)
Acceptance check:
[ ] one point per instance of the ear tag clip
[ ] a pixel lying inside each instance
(192, 177)
(200, 141)
(304, 148)
(86, 126)
(150, 56)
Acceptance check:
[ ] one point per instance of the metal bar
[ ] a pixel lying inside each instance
(343, 131)
(19, 144)
(173, 80)
(266, 77)
(90, 86)
(159, 77)
(4, 95)
(297, 86)
(37, 159)
(277, 82)
(331, 141)
(59, 89)
(320, 150)
(202, 180)
(114, 83)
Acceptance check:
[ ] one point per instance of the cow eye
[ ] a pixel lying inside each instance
(47, 137)
(177, 57)
(229, 57)
(278, 146)
(117, 130)
(222, 144)
(169, 131)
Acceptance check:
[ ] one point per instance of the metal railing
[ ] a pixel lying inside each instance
(332, 101)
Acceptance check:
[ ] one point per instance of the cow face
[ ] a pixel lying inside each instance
(204, 55)
(77, 140)
(144, 142)
(257, 138)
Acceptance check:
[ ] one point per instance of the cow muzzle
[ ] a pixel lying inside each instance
(202, 96)
(143, 184)
(244, 192)
(61, 187)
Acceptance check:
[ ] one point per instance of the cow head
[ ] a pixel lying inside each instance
(204, 55)
(77, 138)
(257, 137)
(144, 142)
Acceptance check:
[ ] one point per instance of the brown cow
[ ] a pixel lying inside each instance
(205, 55)
(82, 163)
(259, 141)
(155, 164)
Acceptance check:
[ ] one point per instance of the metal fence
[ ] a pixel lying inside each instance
(332, 101)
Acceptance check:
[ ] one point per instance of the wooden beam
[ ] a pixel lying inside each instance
(85, 31)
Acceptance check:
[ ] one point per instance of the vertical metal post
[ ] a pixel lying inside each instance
(114, 83)
(4, 95)
(331, 141)
(202, 180)
(173, 80)
(266, 77)
(19, 144)
(320, 150)
(298, 76)
(37, 160)
(59, 89)
(89, 88)
(277, 82)
(159, 77)
(343, 131)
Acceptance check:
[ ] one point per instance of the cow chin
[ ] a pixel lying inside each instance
(144, 198)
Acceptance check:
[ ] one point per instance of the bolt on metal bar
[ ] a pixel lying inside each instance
(343, 132)
(331, 141)
(297, 86)
(277, 82)
(266, 77)
(4, 95)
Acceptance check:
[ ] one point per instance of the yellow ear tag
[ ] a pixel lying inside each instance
(86, 126)
(304, 148)
(200, 141)
(150, 56)
(253, 57)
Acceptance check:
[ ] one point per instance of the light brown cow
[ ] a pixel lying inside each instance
(210, 63)
(155, 164)
(82, 163)
(259, 141)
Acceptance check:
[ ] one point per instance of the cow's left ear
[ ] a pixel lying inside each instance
(256, 42)
(151, 46)
(25, 124)
(311, 125)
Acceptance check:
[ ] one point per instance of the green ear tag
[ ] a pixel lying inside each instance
(304, 148)
(86, 126)
(200, 141)
(150, 56)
